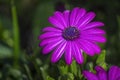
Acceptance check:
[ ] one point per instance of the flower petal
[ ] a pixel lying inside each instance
(94, 46)
(80, 14)
(77, 53)
(55, 22)
(86, 19)
(99, 68)
(101, 73)
(66, 14)
(73, 16)
(86, 47)
(89, 75)
(113, 72)
(58, 52)
(60, 17)
(51, 29)
(51, 46)
(92, 25)
(68, 53)
(49, 34)
(118, 75)
(96, 38)
(50, 40)
(93, 31)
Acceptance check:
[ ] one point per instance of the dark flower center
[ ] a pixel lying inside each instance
(71, 33)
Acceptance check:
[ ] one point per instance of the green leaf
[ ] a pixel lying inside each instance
(50, 78)
(5, 52)
(63, 68)
(44, 74)
(90, 64)
(28, 72)
(38, 61)
(101, 59)
(15, 73)
(73, 67)
(68, 76)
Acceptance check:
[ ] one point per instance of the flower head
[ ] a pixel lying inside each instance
(71, 33)
(101, 74)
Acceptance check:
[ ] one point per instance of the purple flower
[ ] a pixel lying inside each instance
(101, 74)
(71, 33)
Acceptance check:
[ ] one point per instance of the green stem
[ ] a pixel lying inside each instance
(32, 59)
(15, 33)
(28, 72)
(43, 73)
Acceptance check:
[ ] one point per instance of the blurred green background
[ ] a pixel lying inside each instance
(21, 22)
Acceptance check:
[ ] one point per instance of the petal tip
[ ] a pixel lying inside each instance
(68, 62)
(53, 60)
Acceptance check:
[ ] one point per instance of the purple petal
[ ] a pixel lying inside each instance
(89, 75)
(77, 53)
(66, 14)
(93, 31)
(50, 40)
(55, 22)
(60, 17)
(101, 73)
(96, 38)
(113, 72)
(68, 53)
(73, 16)
(51, 29)
(49, 34)
(94, 46)
(92, 25)
(58, 52)
(86, 19)
(99, 68)
(118, 74)
(51, 46)
(80, 14)
(86, 47)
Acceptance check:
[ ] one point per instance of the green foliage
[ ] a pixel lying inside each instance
(63, 68)
(15, 73)
(73, 68)
(68, 76)
(49, 78)
(101, 59)
(91, 66)
(5, 52)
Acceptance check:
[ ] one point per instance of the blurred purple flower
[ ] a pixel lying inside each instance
(72, 33)
(101, 74)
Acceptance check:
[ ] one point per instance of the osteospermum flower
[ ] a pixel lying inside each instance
(71, 33)
(101, 74)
